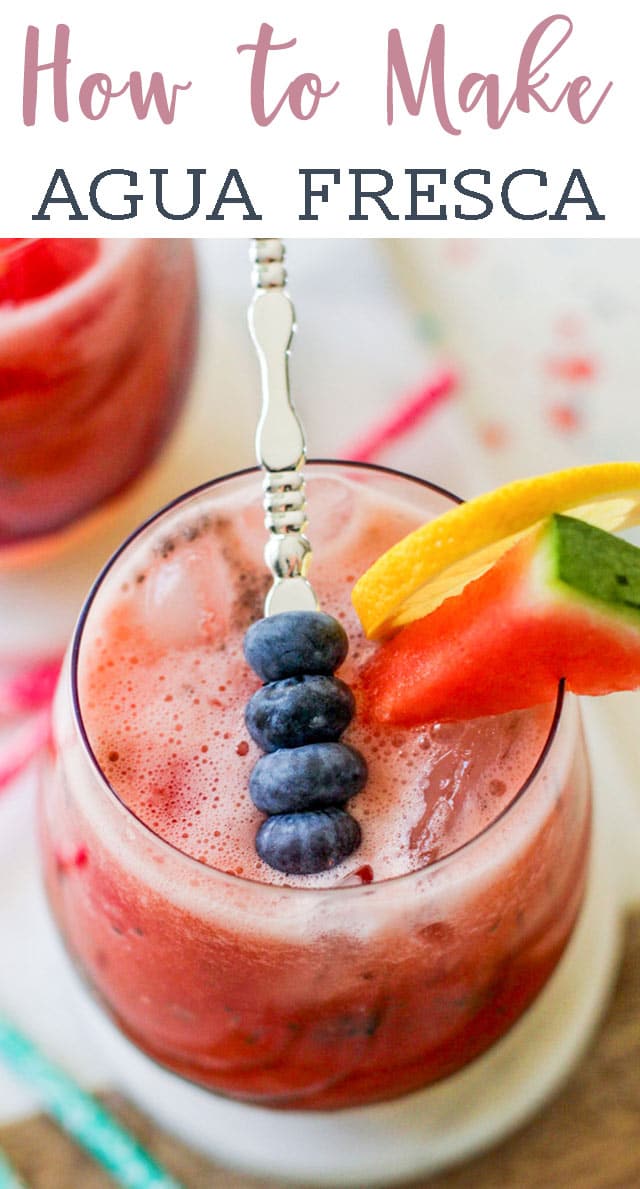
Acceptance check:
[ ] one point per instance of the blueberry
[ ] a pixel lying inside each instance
(299, 710)
(310, 777)
(295, 643)
(305, 843)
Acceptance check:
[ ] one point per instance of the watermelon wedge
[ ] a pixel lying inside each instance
(562, 603)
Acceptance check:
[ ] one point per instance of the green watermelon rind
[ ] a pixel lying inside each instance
(579, 563)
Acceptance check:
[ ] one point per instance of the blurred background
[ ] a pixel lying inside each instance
(543, 336)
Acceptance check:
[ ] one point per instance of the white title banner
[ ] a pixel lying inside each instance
(391, 119)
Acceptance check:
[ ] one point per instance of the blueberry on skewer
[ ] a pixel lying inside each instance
(297, 718)
(309, 777)
(294, 644)
(295, 649)
(306, 843)
(299, 710)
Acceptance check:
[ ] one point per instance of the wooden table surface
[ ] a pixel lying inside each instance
(587, 1138)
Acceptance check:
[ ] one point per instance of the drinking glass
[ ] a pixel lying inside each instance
(97, 340)
(313, 999)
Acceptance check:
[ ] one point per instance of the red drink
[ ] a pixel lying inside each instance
(381, 976)
(97, 340)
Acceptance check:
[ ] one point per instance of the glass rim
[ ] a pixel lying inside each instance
(239, 880)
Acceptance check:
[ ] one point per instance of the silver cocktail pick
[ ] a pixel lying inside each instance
(280, 444)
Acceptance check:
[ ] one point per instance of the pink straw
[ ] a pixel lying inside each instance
(26, 692)
(23, 746)
(30, 688)
(405, 416)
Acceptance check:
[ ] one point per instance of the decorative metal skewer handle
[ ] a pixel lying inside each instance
(280, 444)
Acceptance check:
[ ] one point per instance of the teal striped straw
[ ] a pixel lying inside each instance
(9, 1178)
(81, 1116)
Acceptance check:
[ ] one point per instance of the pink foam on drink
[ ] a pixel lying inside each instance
(163, 686)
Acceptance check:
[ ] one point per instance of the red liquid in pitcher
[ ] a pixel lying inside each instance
(97, 341)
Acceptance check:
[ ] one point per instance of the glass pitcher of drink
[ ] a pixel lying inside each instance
(97, 341)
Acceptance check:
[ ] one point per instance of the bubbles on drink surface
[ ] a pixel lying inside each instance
(173, 710)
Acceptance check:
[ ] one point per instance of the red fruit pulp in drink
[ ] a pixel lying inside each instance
(387, 973)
